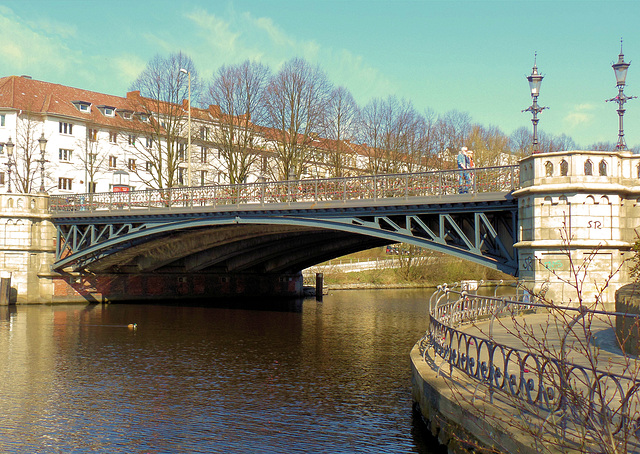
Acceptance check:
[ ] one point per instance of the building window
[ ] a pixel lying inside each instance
(109, 112)
(113, 137)
(602, 168)
(203, 154)
(204, 133)
(148, 166)
(149, 142)
(64, 183)
(131, 165)
(1, 177)
(548, 166)
(203, 177)
(2, 120)
(131, 140)
(181, 151)
(65, 128)
(564, 168)
(92, 134)
(180, 176)
(92, 186)
(84, 107)
(91, 160)
(64, 154)
(113, 161)
(588, 167)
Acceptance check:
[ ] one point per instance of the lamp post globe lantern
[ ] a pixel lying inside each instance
(42, 142)
(620, 70)
(535, 81)
(9, 145)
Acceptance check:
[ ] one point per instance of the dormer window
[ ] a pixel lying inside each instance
(126, 114)
(108, 111)
(143, 117)
(83, 106)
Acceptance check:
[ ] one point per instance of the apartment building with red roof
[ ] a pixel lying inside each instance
(97, 142)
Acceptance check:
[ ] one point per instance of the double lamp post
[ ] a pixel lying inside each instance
(619, 68)
(9, 145)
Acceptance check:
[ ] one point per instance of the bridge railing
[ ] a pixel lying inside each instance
(371, 187)
(541, 379)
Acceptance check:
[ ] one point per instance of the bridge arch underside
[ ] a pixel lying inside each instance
(241, 242)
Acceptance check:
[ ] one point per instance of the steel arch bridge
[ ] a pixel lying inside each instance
(284, 227)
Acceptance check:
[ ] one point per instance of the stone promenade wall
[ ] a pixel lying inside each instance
(461, 427)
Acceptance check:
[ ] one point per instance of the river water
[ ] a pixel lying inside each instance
(330, 377)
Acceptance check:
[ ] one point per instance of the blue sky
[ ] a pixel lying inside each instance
(471, 56)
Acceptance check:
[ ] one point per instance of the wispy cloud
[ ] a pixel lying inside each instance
(580, 115)
(27, 44)
(240, 36)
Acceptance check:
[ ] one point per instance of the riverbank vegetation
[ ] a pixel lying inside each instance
(411, 267)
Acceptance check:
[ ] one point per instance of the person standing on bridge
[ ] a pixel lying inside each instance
(468, 174)
(463, 164)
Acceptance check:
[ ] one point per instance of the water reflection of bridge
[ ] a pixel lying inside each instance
(285, 226)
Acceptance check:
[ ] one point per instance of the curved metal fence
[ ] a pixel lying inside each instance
(539, 380)
(371, 187)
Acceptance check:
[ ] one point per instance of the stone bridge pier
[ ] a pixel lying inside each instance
(27, 248)
(578, 214)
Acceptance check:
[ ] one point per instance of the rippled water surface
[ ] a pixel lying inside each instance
(310, 378)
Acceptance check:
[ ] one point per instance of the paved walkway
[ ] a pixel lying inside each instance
(528, 332)
(459, 404)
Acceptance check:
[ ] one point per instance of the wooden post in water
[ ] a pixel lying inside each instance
(319, 285)
(5, 291)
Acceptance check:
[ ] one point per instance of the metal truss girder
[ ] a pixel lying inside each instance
(73, 239)
(482, 220)
(447, 219)
(466, 233)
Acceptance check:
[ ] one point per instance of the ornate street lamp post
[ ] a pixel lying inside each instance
(535, 80)
(620, 69)
(9, 146)
(184, 71)
(43, 146)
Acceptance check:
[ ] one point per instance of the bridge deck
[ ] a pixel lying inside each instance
(304, 225)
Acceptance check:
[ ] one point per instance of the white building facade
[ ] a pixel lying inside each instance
(100, 143)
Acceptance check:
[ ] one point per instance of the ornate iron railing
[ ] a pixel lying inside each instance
(371, 187)
(546, 385)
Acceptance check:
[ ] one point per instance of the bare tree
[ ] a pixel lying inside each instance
(160, 94)
(451, 130)
(417, 140)
(370, 131)
(521, 142)
(340, 125)
(297, 99)
(429, 146)
(92, 159)
(240, 91)
(395, 135)
(602, 146)
(27, 152)
(490, 146)
(548, 143)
